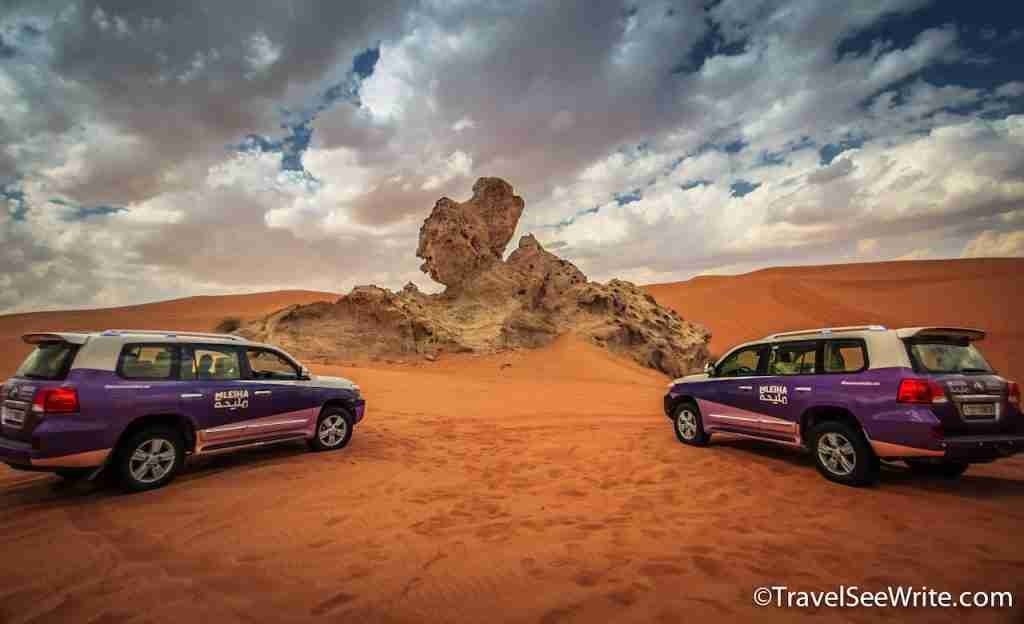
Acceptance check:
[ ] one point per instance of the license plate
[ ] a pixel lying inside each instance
(12, 417)
(979, 410)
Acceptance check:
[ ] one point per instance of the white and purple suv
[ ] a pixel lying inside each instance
(854, 395)
(139, 402)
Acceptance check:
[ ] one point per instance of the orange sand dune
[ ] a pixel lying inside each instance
(988, 294)
(535, 486)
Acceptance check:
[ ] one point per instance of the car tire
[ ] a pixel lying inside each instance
(149, 459)
(686, 421)
(73, 474)
(944, 470)
(842, 454)
(333, 430)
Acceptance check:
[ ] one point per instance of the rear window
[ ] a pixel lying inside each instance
(49, 360)
(947, 356)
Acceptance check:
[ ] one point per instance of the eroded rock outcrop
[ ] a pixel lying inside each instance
(489, 304)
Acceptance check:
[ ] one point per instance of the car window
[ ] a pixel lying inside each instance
(49, 360)
(269, 365)
(948, 357)
(844, 356)
(139, 361)
(742, 363)
(213, 363)
(794, 358)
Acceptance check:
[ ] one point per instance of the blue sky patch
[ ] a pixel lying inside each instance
(830, 151)
(628, 198)
(692, 184)
(14, 197)
(364, 62)
(711, 44)
(6, 50)
(992, 34)
(298, 125)
(742, 188)
(84, 212)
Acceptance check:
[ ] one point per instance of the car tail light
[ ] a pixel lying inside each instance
(920, 391)
(1014, 393)
(56, 401)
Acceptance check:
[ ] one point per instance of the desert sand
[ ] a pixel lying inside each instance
(533, 486)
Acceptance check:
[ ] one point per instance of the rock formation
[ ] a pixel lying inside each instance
(489, 304)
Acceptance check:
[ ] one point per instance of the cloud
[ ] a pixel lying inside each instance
(241, 146)
(992, 244)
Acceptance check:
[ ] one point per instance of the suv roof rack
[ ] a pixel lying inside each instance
(170, 334)
(827, 330)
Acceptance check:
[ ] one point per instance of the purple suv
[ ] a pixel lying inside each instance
(139, 402)
(855, 395)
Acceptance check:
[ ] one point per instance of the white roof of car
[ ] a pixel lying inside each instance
(904, 332)
(884, 352)
(147, 334)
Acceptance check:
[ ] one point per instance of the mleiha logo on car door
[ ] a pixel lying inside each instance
(231, 399)
(774, 394)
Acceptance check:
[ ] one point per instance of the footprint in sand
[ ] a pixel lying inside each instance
(331, 604)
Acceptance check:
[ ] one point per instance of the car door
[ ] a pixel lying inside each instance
(785, 391)
(146, 380)
(216, 399)
(734, 382)
(280, 398)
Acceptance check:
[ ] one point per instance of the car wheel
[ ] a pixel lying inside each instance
(333, 430)
(945, 470)
(149, 459)
(688, 426)
(843, 455)
(73, 474)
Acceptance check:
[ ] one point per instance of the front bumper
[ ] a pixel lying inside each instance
(359, 409)
(670, 403)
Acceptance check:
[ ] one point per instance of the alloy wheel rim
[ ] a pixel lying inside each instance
(837, 454)
(332, 430)
(152, 460)
(686, 424)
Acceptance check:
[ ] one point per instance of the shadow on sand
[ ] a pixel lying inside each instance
(42, 490)
(893, 475)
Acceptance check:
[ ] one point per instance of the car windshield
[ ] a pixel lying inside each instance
(49, 360)
(949, 357)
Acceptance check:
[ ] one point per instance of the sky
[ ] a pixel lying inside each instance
(151, 150)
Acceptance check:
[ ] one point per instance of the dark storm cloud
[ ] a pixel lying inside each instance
(183, 79)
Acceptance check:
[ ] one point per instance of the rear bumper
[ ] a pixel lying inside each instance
(21, 455)
(968, 448)
(982, 448)
(359, 409)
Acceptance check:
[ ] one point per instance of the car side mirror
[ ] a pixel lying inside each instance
(304, 374)
(709, 369)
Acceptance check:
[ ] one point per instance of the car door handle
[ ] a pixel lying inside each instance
(192, 395)
(746, 387)
(262, 393)
(802, 389)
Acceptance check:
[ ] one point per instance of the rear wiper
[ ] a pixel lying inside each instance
(974, 370)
